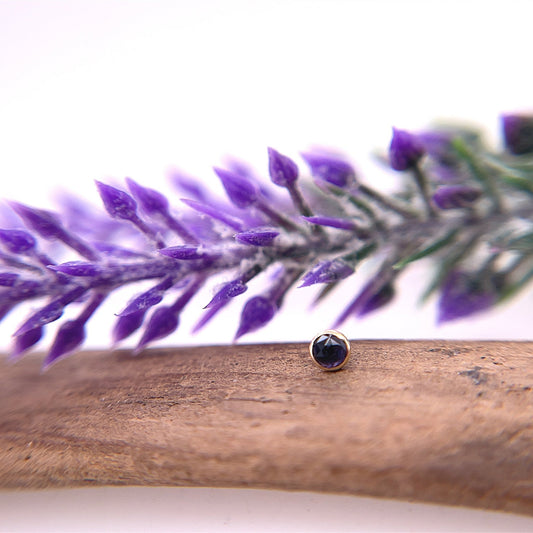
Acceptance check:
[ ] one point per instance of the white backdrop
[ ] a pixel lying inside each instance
(104, 89)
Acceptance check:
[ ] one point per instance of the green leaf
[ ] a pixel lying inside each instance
(427, 250)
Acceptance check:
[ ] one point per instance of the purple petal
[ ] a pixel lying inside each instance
(518, 133)
(69, 336)
(26, 341)
(463, 295)
(339, 223)
(186, 252)
(148, 298)
(327, 272)
(127, 324)
(17, 241)
(45, 223)
(257, 237)
(8, 279)
(405, 150)
(377, 300)
(241, 191)
(118, 204)
(163, 322)
(331, 169)
(455, 196)
(118, 251)
(283, 170)
(229, 290)
(150, 200)
(215, 213)
(78, 268)
(257, 312)
(189, 185)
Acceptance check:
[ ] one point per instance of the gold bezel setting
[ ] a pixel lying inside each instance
(339, 337)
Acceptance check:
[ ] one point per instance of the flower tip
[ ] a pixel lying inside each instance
(282, 169)
(405, 150)
(240, 190)
(331, 169)
(118, 203)
(517, 132)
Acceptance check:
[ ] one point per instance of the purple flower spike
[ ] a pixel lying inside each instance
(69, 336)
(339, 223)
(150, 200)
(405, 150)
(455, 196)
(127, 324)
(26, 341)
(283, 170)
(330, 169)
(78, 268)
(118, 204)
(518, 133)
(229, 290)
(163, 322)
(257, 312)
(463, 295)
(241, 191)
(377, 300)
(257, 237)
(327, 272)
(17, 241)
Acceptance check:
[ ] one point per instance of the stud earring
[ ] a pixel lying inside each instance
(330, 350)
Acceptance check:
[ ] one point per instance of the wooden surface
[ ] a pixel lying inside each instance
(448, 422)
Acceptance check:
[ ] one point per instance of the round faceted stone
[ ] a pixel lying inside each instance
(330, 350)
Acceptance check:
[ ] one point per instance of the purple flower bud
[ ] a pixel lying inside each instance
(17, 241)
(24, 342)
(226, 292)
(405, 150)
(45, 223)
(327, 272)
(331, 169)
(455, 196)
(462, 295)
(8, 279)
(283, 170)
(241, 191)
(377, 300)
(186, 252)
(257, 312)
(339, 223)
(118, 204)
(162, 323)
(127, 324)
(148, 298)
(119, 251)
(212, 212)
(69, 336)
(150, 200)
(518, 133)
(257, 237)
(78, 268)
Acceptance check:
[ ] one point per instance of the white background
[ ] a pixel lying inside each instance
(108, 89)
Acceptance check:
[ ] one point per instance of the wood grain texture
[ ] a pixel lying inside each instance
(433, 421)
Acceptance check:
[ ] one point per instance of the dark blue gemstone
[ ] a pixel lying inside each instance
(329, 351)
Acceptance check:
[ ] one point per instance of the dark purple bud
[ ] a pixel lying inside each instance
(148, 298)
(162, 323)
(118, 204)
(69, 336)
(455, 196)
(339, 223)
(185, 252)
(283, 170)
(327, 272)
(462, 295)
(24, 342)
(45, 223)
(377, 300)
(518, 133)
(257, 312)
(128, 324)
(257, 237)
(331, 169)
(229, 290)
(240, 190)
(150, 200)
(17, 241)
(8, 279)
(78, 268)
(405, 150)
(215, 213)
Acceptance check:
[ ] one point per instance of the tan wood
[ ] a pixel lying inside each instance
(432, 421)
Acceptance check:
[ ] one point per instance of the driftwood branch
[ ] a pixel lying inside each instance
(448, 422)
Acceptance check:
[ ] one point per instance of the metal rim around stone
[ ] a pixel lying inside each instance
(341, 337)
